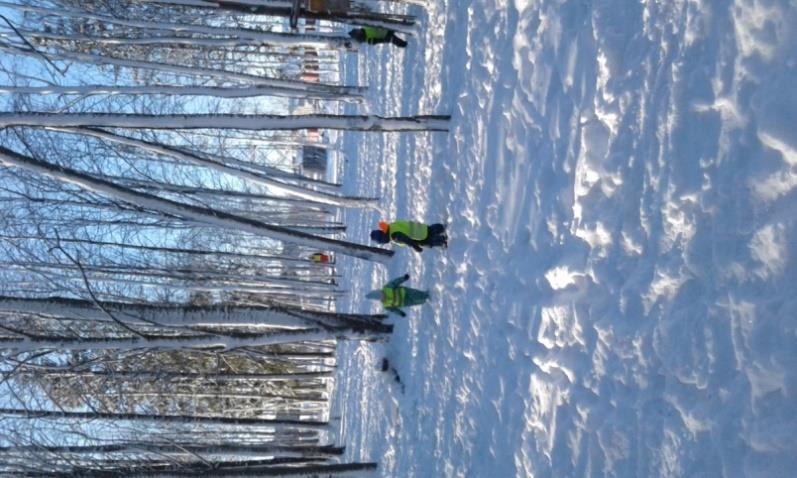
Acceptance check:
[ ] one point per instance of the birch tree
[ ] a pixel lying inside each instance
(225, 121)
(159, 313)
(187, 212)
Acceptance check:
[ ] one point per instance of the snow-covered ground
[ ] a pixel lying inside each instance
(620, 293)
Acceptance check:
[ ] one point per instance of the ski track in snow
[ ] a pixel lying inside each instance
(619, 295)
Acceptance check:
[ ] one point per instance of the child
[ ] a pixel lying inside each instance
(410, 233)
(394, 296)
(372, 36)
(320, 258)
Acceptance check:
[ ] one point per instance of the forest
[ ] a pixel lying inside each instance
(163, 309)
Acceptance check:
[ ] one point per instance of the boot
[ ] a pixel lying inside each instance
(398, 41)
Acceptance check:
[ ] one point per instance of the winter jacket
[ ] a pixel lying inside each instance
(375, 35)
(319, 257)
(395, 296)
(408, 233)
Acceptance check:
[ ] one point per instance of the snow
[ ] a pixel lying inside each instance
(618, 297)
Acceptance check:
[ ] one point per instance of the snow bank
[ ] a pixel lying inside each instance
(619, 295)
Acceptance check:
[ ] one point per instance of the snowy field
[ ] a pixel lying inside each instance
(619, 297)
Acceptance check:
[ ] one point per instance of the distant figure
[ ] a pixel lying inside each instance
(410, 233)
(394, 296)
(387, 367)
(319, 257)
(372, 36)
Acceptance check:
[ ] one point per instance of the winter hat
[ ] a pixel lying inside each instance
(384, 227)
(379, 236)
(374, 295)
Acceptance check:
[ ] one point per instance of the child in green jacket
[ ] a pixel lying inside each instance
(372, 36)
(394, 296)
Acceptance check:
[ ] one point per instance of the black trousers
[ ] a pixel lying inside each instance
(437, 235)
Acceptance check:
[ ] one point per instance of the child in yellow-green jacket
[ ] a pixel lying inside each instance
(410, 233)
(372, 36)
(395, 296)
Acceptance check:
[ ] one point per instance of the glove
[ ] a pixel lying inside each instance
(406, 276)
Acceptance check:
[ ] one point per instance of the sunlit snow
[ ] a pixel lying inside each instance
(619, 297)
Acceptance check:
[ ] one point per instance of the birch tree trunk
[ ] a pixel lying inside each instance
(162, 249)
(179, 376)
(219, 469)
(264, 422)
(138, 314)
(255, 36)
(226, 121)
(402, 23)
(170, 40)
(181, 448)
(187, 212)
(109, 90)
(31, 343)
(198, 275)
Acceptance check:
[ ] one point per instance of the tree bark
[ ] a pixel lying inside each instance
(141, 314)
(39, 342)
(88, 90)
(396, 22)
(265, 422)
(188, 212)
(226, 121)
